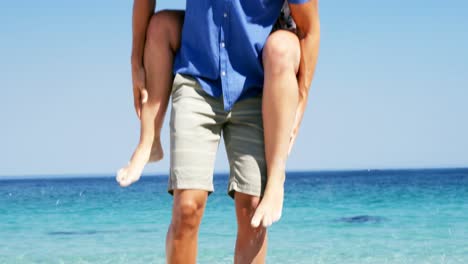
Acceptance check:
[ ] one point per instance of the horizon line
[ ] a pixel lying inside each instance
(159, 174)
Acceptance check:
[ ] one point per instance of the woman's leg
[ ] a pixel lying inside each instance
(281, 58)
(162, 42)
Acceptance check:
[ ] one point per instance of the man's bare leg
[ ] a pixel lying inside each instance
(163, 40)
(251, 243)
(182, 236)
(281, 58)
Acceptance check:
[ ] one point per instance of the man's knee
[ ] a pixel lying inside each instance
(281, 51)
(247, 202)
(245, 208)
(186, 216)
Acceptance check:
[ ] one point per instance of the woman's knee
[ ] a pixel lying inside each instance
(165, 27)
(282, 51)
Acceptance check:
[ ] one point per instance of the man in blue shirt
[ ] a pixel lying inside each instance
(220, 71)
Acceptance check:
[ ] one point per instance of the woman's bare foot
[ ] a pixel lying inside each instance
(142, 155)
(132, 172)
(270, 208)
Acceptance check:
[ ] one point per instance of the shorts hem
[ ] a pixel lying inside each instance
(189, 186)
(245, 189)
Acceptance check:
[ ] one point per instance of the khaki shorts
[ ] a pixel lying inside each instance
(197, 122)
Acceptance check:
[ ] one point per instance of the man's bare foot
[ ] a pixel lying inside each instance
(270, 208)
(132, 172)
(156, 151)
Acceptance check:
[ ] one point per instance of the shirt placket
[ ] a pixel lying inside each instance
(223, 55)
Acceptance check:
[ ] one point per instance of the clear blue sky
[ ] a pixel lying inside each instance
(391, 88)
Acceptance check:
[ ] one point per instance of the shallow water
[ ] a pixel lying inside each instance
(417, 216)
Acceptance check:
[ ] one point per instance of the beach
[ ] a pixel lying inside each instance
(367, 216)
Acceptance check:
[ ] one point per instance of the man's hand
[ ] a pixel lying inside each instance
(140, 94)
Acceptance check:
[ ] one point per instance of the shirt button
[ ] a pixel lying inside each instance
(222, 45)
(225, 14)
(223, 73)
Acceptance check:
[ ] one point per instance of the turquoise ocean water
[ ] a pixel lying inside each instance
(398, 216)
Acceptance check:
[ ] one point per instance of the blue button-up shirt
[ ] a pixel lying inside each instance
(221, 45)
